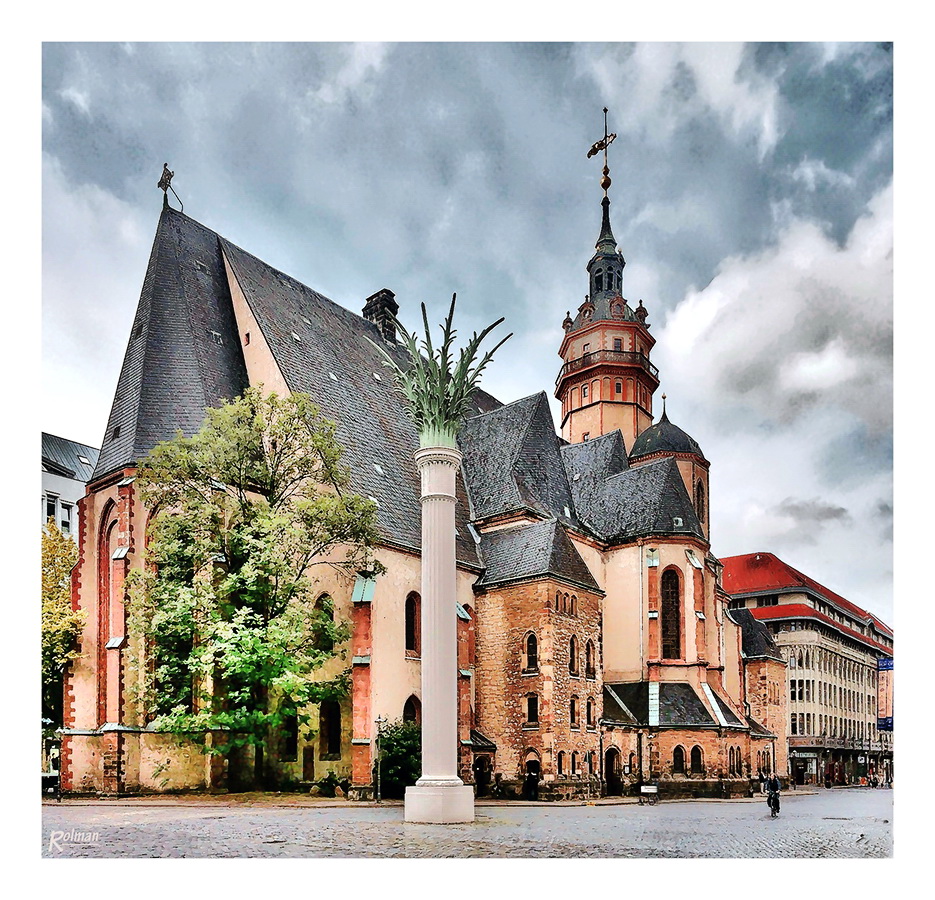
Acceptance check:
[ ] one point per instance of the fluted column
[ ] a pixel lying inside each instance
(439, 796)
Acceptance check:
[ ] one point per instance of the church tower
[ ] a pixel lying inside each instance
(607, 381)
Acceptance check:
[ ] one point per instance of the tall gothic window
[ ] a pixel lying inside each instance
(699, 501)
(589, 664)
(531, 654)
(413, 625)
(671, 615)
(573, 656)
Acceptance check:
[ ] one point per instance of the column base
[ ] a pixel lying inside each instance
(441, 804)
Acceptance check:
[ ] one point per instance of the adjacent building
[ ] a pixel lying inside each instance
(832, 649)
(66, 467)
(596, 648)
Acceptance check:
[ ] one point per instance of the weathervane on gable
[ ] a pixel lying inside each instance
(603, 144)
(165, 185)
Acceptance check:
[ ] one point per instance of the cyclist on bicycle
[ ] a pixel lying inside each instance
(773, 787)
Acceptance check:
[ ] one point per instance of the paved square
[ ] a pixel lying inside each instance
(847, 823)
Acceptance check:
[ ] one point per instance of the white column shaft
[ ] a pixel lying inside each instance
(439, 467)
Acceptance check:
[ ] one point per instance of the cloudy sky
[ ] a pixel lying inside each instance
(752, 198)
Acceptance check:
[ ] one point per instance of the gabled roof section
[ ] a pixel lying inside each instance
(324, 350)
(533, 551)
(512, 461)
(646, 500)
(183, 354)
(755, 640)
(589, 465)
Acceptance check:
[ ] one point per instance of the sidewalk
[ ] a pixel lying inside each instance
(277, 800)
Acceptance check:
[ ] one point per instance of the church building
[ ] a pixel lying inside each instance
(597, 650)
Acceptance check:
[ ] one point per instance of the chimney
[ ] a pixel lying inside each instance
(381, 309)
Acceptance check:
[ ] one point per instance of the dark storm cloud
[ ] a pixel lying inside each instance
(810, 514)
(751, 199)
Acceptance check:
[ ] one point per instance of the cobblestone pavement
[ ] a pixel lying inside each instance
(846, 823)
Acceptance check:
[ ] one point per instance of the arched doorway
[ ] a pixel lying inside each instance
(532, 771)
(612, 772)
(481, 775)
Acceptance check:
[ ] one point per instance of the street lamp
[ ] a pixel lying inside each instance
(380, 721)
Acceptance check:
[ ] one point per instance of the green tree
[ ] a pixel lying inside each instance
(61, 625)
(400, 757)
(228, 637)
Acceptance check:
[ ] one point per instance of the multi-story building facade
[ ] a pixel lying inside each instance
(66, 467)
(832, 648)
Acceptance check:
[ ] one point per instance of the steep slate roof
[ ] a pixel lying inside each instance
(183, 355)
(664, 437)
(63, 457)
(530, 551)
(756, 641)
(639, 501)
(512, 461)
(334, 362)
(679, 705)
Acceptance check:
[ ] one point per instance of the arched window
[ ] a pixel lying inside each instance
(532, 709)
(678, 761)
(531, 654)
(671, 615)
(598, 280)
(573, 655)
(566, 603)
(573, 607)
(573, 712)
(590, 666)
(412, 711)
(730, 760)
(590, 713)
(561, 762)
(329, 729)
(618, 388)
(413, 625)
(324, 605)
(574, 762)
(699, 500)
(590, 762)
(558, 600)
(697, 761)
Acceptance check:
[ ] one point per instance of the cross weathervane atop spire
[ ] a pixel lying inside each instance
(165, 185)
(603, 144)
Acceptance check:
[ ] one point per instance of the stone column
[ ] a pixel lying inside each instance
(439, 796)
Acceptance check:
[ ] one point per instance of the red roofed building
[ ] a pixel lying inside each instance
(831, 647)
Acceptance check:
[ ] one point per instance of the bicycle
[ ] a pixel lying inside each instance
(772, 799)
